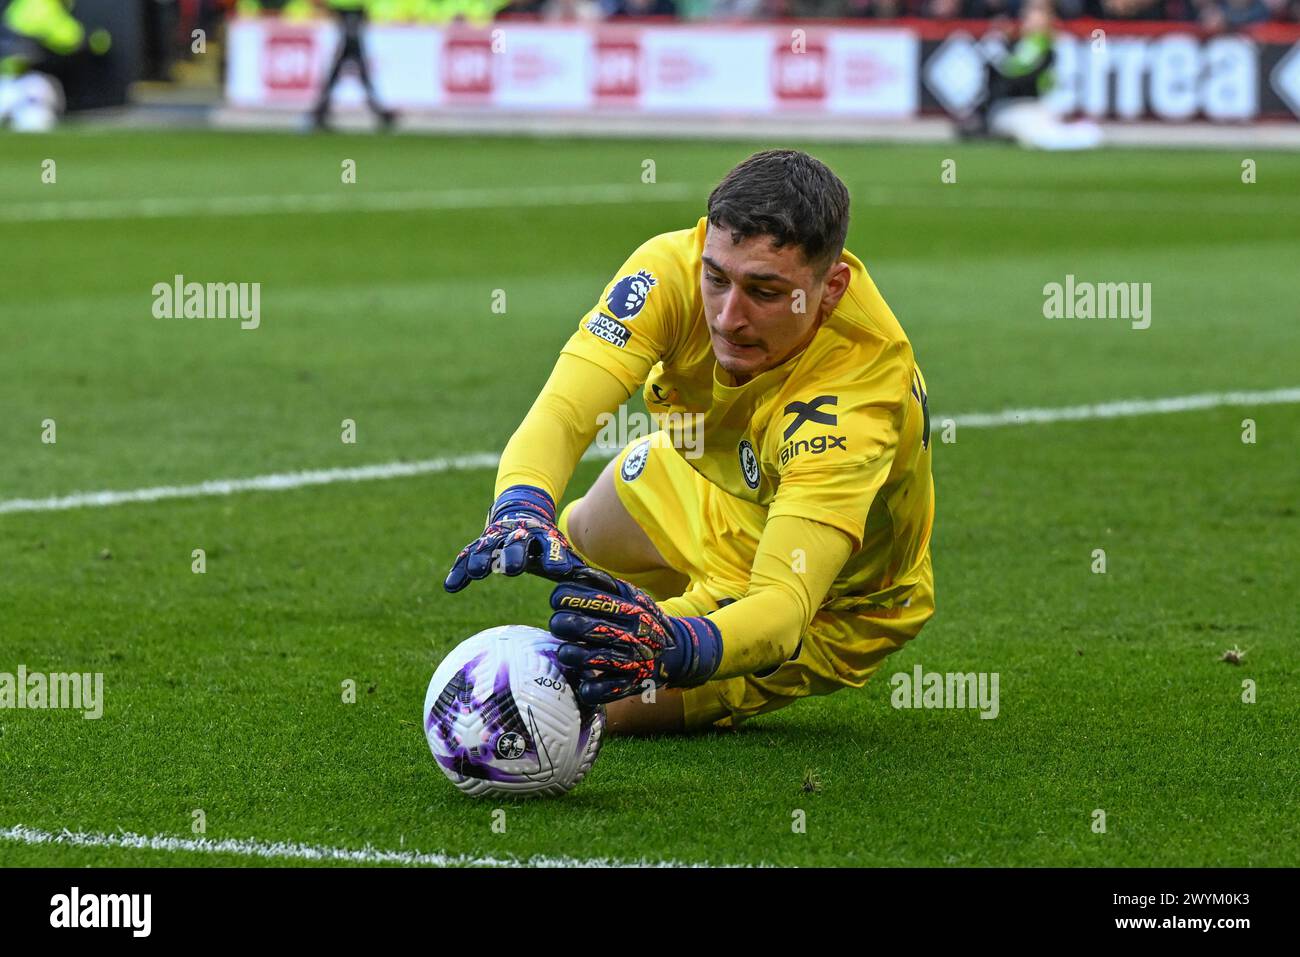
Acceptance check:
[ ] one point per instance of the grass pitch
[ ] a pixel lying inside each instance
(223, 690)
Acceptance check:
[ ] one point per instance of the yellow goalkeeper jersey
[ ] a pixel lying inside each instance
(838, 434)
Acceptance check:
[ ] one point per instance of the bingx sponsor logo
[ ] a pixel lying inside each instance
(811, 412)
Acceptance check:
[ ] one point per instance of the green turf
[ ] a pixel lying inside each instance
(223, 690)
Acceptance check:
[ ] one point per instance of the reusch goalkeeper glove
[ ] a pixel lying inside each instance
(521, 531)
(617, 638)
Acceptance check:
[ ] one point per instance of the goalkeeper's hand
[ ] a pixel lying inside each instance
(617, 638)
(522, 535)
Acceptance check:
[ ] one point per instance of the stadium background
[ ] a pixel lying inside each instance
(1231, 61)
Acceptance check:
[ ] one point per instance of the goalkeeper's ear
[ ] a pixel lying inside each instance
(834, 285)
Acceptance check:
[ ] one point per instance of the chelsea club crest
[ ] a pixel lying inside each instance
(634, 462)
(748, 463)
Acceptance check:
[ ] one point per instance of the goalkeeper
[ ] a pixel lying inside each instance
(791, 554)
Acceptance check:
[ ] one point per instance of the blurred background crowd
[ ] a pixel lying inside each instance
(1211, 15)
(74, 40)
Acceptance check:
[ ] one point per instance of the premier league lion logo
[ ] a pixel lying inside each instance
(511, 745)
(629, 294)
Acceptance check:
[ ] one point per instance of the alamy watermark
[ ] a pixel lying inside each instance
(1098, 300)
(74, 909)
(179, 299)
(933, 689)
(683, 431)
(37, 690)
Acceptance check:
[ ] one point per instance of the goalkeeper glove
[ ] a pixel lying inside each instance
(617, 638)
(521, 531)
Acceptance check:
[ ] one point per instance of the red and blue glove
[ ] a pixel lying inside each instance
(617, 638)
(521, 532)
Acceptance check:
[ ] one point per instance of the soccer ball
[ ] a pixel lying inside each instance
(501, 719)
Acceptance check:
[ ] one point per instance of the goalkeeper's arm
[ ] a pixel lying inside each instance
(536, 466)
(617, 637)
(796, 562)
(559, 427)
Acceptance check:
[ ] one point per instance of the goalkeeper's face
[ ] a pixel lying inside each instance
(763, 303)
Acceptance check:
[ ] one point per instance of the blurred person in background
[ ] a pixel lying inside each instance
(572, 11)
(1012, 106)
(945, 9)
(477, 13)
(722, 9)
(1217, 16)
(1024, 73)
(292, 10)
(620, 9)
(997, 9)
(1277, 9)
(39, 42)
(352, 21)
(879, 9)
(810, 9)
(529, 7)
(1141, 9)
(36, 34)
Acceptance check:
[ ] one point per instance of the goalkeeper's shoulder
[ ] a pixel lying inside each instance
(678, 251)
(646, 310)
(663, 273)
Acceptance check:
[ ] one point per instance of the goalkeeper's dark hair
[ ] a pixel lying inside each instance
(789, 196)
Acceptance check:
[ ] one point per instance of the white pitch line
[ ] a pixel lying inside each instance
(508, 197)
(345, 201)
(284, 481)
(259, 483)
(307, 852)
(1128, 200)
(1124, 408)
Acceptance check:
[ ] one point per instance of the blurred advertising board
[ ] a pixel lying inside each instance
(1108, 70)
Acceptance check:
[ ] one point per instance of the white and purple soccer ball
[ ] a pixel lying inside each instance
(502, 720)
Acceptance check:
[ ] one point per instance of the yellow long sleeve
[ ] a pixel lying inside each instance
(559, 427)
(796, 562)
